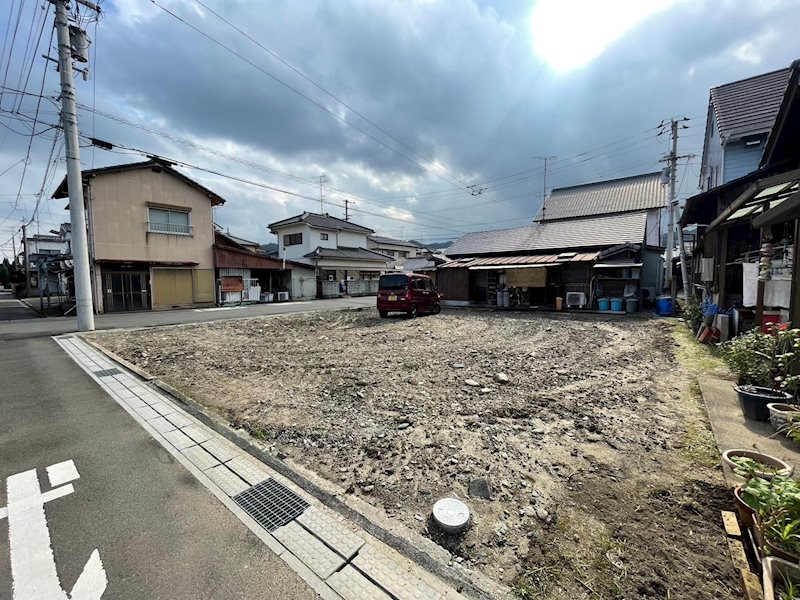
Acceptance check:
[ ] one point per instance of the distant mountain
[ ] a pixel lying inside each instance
(433, 245)
(269, 248)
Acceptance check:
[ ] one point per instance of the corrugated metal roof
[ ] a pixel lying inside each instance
(529, 260)
(591, 232)
(749, 106)
(349, 253)
(320, 221)
(627, 194)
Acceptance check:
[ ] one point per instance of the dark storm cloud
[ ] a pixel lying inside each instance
(456, 81)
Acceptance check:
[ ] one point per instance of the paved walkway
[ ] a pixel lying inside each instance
(12, 309)
(332, 555)
(732, 430)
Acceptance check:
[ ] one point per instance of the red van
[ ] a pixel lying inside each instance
(407, 292)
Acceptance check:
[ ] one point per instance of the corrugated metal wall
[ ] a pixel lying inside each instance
(741, 159)
(453, 284)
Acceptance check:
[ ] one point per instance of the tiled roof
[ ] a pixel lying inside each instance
(749, 106)
(591, 232)
(605, 197)
(379, 239)
(321, 222)
(348, 253)
(423, 263)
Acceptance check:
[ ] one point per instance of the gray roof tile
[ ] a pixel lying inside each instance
(348, 253)
(605, 197)
(379, 239)
(591, 232)
(749, 106)
(321, 221)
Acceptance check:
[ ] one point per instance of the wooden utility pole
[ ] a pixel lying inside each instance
(347, 204)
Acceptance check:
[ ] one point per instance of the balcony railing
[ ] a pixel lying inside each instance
(169, 228)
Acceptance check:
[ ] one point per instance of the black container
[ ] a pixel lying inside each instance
(754, 400)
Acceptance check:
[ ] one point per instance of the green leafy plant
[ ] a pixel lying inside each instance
(693, 314)
(747, 467)
(790, 590)
(777, 502)
(765, 359)
(782, 532)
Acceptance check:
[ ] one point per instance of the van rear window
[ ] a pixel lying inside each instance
(393, 282)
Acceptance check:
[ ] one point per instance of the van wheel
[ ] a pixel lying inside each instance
(412, 312)
(383, 313)
(437, 309)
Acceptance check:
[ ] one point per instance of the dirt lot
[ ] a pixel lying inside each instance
(602, 470)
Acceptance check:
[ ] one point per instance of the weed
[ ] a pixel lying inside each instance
(695, 357)
(699, 446)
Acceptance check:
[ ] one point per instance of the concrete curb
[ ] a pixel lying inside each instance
(460, 581)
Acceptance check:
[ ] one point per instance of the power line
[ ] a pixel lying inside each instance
(330, 94)
(298, 92)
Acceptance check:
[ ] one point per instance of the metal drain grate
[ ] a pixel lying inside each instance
(107, 372)
(271, 504)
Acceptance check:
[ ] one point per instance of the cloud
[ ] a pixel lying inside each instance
(440, 95)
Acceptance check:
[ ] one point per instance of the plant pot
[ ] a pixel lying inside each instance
(767, 548)
(774, 570)
(782, 415)
(781, 467)
(746, 513)
(754, 400)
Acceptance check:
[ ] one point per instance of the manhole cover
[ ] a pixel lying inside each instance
(107, 372)
(271, 504)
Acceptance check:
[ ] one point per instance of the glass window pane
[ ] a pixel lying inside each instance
(158, 215)
(178, 218)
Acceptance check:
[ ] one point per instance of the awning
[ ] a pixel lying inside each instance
(487, 267)
(764, 195)
(619, 265)
(507, 261)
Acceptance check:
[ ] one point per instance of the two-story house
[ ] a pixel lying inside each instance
(740, 117)
(151, 237)
(336, 249)
(44, 254)
(398, 250)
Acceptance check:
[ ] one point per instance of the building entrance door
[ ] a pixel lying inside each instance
(127, 291)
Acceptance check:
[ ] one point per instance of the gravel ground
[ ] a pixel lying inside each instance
(578, 443)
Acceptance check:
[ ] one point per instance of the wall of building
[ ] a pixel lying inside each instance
(651, 274)
(304, 283)
(741, 159)
(453, 284)
(352, 239)
(119, 216)
(712, 171)
(653, 227)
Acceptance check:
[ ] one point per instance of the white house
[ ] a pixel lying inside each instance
(399, 250)
(44, 254)
(337, 250)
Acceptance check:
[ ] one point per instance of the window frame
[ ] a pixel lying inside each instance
(288, 237)
(168, 228)
(323, 237)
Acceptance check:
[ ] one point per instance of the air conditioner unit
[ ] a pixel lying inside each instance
(283, 296)
(576, 299)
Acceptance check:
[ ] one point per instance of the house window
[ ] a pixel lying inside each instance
(323, 236)
(164, 220)
(292, 239)
(403, 254)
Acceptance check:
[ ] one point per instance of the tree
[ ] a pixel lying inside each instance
(5, 272)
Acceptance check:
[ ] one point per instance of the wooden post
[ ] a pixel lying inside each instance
(722, 252)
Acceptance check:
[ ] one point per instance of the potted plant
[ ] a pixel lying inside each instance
(783, 416)
(781, 579)
(762, 363)
(748, 464)
(777, 518)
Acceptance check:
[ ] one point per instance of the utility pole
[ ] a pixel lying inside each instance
(69, 121)
(673, 160)
(347, 203)
(25, 261)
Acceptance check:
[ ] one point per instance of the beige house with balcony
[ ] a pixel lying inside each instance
(151, 237)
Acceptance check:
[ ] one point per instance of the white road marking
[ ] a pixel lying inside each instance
(33, 567)
(62, 472)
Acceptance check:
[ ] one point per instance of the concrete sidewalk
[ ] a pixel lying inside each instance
(733, 430)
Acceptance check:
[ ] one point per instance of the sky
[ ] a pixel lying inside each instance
(429, 116)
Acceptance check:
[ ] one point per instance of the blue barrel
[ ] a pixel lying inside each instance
(602, 303)
(616, 304)
(664, 306)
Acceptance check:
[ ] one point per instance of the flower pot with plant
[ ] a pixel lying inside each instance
(781, 579)
(749, 463)
(782, 416)
(777, 519)
(763, 363)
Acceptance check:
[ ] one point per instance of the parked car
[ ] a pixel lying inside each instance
(408, 293)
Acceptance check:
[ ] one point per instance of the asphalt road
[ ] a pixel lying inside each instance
(158, 532)
(12, 309)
